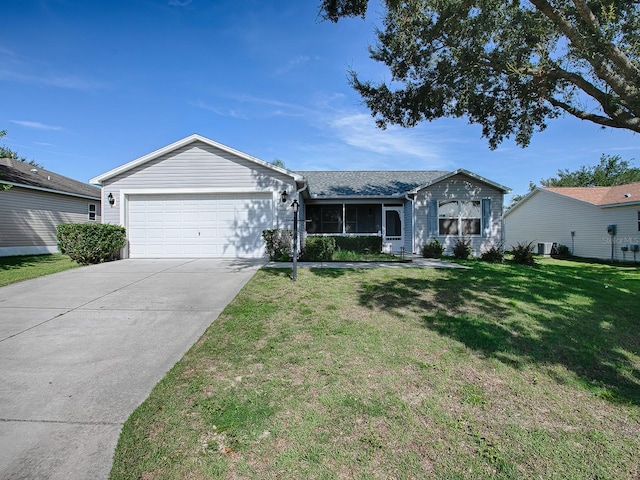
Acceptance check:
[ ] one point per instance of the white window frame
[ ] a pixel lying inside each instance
(93, 212)
(459, 218)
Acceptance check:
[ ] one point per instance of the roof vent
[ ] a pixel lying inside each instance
(627, 195)
(34, 170)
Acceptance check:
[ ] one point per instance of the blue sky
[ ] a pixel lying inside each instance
(86, 86)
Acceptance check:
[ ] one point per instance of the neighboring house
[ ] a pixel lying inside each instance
(580, 218)
(199, 198)
(37, 202)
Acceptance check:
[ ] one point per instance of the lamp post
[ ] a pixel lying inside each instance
(295, 206)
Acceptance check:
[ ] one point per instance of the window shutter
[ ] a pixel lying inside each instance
(486, 217)
(432, 218)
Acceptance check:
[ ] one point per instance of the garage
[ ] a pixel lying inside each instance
(198, 225)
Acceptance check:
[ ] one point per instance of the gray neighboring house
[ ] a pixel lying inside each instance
(580, 218)
(37, 202)
(199, 198)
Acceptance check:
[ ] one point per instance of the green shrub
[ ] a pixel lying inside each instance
(523, 254)
(359, 244)
(279, 244)
(462, 249)
(494, 254)
(91, 242)
(433, 249)
(564, 251)
(317, 249)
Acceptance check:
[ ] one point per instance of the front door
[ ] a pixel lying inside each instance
(392, 239)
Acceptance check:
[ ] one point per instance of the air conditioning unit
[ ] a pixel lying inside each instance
(544, 248)
(634, 248)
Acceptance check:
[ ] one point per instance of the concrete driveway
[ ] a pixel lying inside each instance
(81, 349)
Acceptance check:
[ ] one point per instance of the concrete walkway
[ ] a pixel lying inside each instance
(81, 349)
(415, 261)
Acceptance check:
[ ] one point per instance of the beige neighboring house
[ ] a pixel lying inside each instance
(199, 198)
(37, 202)
(594, 222)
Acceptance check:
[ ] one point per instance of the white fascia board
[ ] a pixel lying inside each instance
(181, 143)
(357, 197)
(50, 190)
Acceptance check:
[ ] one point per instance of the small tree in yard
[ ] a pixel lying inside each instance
(279, 244)
(433, 249)
(523, 254)
(462, 249)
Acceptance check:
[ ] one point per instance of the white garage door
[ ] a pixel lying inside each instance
(199, 225)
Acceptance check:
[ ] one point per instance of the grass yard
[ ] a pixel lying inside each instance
(498, 371)
(24, 267)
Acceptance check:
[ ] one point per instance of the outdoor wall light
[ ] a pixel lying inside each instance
(284, 195)
(295, 206)
(112, 201)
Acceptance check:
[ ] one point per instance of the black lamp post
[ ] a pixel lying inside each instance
(295, 206)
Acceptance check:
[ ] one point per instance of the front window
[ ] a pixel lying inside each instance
(459, 217)
(92, 212)
(358, 219)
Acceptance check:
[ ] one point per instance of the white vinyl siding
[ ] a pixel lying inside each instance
(459, 188)
(549, 217)
(201, 171)
(30, 217)
(198, 167)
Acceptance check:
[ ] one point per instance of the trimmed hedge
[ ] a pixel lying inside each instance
(317, 249)
(91, 242)
(359, 244)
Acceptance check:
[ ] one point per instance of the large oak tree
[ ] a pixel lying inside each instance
(509, 66)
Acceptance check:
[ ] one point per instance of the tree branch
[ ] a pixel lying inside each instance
(600, 68)
(632, 124)
(616, 55)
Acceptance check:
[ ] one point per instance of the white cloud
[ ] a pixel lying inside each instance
(53, 80)
(220, 111)
(179, 3)
(37, 125)
(293, 63)
(247, 107)
(359, 130)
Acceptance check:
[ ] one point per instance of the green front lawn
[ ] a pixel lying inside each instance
(24, 267)
(498, 371)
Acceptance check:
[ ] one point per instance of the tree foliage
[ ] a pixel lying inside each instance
(6, 152)
(611, 171)
(507, 65)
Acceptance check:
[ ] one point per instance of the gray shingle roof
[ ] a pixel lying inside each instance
(14, 171)
(367, 183)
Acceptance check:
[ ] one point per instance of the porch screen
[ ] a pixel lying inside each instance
(359, 219)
